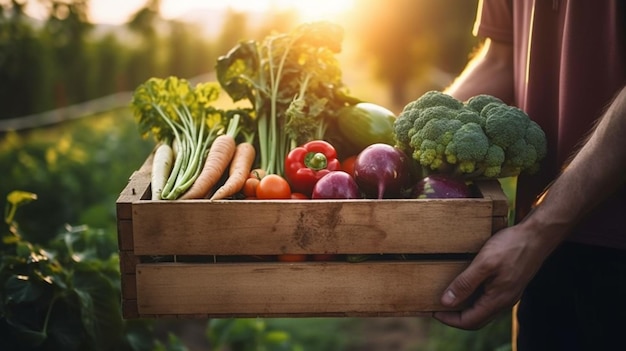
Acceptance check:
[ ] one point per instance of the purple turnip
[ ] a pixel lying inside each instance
(382, 171)
(438, 186)
(336, 185)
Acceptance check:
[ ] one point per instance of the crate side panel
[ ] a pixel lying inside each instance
(136, 189)
(491, 189)
(275, 227)
(390, 288)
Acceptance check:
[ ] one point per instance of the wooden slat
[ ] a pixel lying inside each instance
(322, 226)
(312, 289)
(129, 309)
(491, 189)
(136, 189)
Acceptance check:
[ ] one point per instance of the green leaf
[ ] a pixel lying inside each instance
(15, 199)
(21, 288)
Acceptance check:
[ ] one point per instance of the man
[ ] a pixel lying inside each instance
(563, 62)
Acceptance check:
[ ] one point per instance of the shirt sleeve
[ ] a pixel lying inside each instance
(494, 20)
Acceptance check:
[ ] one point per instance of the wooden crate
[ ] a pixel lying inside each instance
(183, 258)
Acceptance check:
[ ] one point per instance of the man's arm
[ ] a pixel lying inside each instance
(489, 72)
(511, 257)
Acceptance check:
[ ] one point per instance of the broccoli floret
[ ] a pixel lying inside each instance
(520, 154)
(536, 137)
(492, 164)
(487, 109)
(478, 102)
(505, 125)
(430, 113)
(435, 98)
(467, 115)
(402, 126)
(429, 154)
(432, 139)
(405, 125)
(468, 146)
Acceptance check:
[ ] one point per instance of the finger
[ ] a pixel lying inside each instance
(472, 318)
(463, 286)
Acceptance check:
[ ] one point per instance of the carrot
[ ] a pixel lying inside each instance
(161, 168)
(240, 167)
(218, 159)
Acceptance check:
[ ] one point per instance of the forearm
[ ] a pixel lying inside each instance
(490, 72)
(597, 169)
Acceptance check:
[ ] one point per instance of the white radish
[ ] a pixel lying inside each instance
(161, 168)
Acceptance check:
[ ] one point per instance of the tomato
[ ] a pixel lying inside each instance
(249, 187)
(292, 257)
(348, 165)
(273, 186)
(299, 196)
(257, 173)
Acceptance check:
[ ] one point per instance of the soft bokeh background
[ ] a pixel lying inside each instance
(68, 67)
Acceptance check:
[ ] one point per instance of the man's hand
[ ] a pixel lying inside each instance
(495, 279)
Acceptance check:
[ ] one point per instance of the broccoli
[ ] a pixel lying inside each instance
(435, 98)
(492, 163)
(432, 139)
(505, 125)
(536, 138)
(467, 115)
(478, 102)
(481, 137)
(469, 145)
(405, 122)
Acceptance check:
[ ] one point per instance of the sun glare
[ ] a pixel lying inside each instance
(118, 11)
(307, 9)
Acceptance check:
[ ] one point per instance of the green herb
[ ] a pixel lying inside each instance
(175, 112)
(293, 81)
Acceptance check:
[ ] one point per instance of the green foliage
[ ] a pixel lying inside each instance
(292, 80)
(496, 336)
(77, 169)
(279, 334)
(65, 296)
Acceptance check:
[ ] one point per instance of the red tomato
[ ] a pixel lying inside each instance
(273, 186)
(292, 258)
(299, 196)
(348, 165)
(249, 187)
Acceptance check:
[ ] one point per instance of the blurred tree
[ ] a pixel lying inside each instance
(189, 53)
(66, 29)
(24, 64)
(234, 29)
(180, 50)
(108, 63)
(144, 62)
(406, 39)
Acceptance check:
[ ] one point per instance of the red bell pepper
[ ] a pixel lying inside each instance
(306, 164)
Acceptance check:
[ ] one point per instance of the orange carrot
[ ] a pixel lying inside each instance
(240, 167)
(220, 154)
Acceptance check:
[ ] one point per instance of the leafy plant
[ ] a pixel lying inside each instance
(65, 296)
(292, 80)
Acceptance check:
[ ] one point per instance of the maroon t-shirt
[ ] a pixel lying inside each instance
(569, 62)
